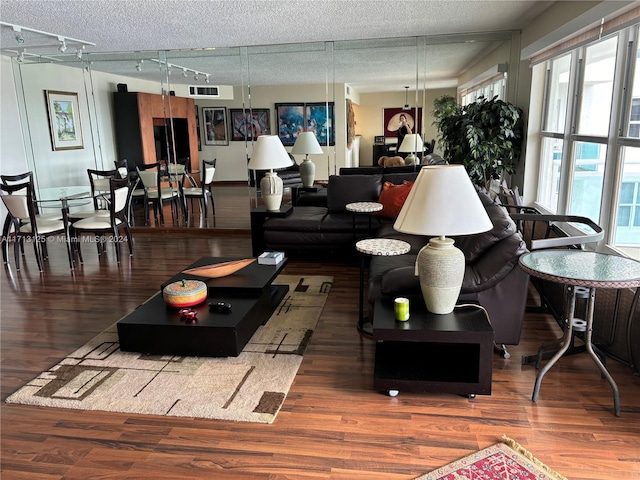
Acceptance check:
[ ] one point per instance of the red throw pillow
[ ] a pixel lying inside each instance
(392, 198)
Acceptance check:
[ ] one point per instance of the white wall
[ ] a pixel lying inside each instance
(232, 159)
(13, 159)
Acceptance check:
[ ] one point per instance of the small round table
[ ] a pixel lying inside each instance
(578, 268)
(376, 246)
(360, 208)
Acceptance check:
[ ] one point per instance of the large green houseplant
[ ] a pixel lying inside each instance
(485, 136)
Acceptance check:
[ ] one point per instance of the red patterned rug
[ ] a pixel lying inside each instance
(503, 461)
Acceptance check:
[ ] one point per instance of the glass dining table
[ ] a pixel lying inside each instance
(64, 197)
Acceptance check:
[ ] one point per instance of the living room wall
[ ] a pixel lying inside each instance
(370, 120)
(54, 168)
(232, 158)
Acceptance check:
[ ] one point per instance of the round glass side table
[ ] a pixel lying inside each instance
(579, 268)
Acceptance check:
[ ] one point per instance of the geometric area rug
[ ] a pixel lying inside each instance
(250, 387)
(503, 461)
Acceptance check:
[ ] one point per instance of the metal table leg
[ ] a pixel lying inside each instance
(590, 308)
(361, 316)
(566, 341)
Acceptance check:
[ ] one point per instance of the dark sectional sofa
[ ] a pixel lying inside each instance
(492, 275)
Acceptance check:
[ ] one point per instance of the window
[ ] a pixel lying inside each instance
(590, 137)
(558, 94)
(588, 175)
(597, 88)
(494, 87)
(627, 227)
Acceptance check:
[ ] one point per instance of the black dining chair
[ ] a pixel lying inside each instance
(9, 222)
(155, 194)
(18, 199)
(110, 225)
(201, 193)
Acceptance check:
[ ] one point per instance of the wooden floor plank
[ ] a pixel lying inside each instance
(333, 425)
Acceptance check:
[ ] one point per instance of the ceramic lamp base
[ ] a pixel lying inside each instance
(410, 159)
(441, 269)
(307, 172)
(271, 188)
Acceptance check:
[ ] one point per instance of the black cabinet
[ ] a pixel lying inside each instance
(142, 130)
(386, 150)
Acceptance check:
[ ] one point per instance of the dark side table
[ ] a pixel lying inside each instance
(258, 216)
(450, 353)
(579, 268)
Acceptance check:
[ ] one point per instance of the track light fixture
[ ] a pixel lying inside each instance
(139, 66)
(19, 36)
(185, 71)
(35, 41)
(20, 57)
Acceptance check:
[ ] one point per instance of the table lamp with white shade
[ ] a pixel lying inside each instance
(307, 143)
(442, 201)
(269, 153)
(412, 143)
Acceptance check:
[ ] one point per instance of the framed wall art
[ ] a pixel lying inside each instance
(392, 120)
(321, 122)
(290, 121)
(249, 124)
(215, 126)
(64, 120)
(198, 128)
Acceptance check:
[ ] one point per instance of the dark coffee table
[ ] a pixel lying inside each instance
(449, 353)
(158, 329)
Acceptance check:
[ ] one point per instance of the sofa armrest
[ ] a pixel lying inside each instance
(494, 265)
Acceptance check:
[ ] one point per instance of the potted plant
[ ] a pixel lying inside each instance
(485, 136)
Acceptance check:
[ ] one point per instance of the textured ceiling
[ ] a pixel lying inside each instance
(151, 25)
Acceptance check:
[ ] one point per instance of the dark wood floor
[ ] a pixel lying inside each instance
(333, 425)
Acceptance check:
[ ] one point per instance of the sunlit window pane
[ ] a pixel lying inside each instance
(634, 109)
(558, 93)
(550, 173)
(628, 208)
(597, 88)
(588, 174)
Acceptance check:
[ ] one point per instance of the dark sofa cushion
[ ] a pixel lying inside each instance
(360, 170)
(401, 169)
(474, 246)
(398, 178)
(302, 219)
(344, 189)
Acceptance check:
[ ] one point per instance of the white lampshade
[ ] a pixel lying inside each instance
(269, 153)
(442, 201)
(307, 143)
(411, 143)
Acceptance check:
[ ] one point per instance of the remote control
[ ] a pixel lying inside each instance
(221, 307)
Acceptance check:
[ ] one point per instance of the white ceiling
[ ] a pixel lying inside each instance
(147, 26)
